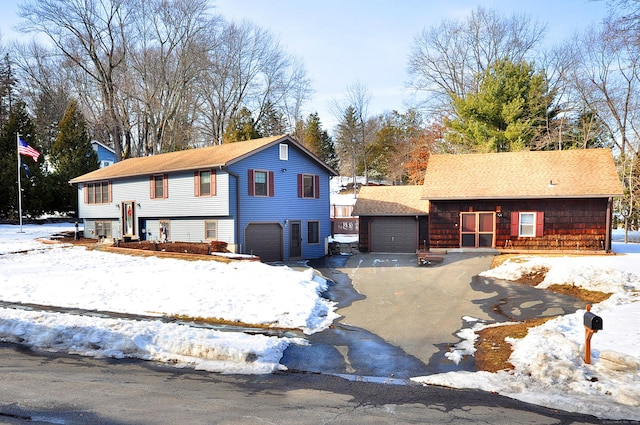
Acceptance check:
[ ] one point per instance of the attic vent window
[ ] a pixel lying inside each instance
(284, 152)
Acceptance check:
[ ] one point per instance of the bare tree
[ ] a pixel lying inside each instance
(247, 68)
(92, 35)
(45, 85)
(356, 129)
(167, 54)
(606, 78)
(447, 59)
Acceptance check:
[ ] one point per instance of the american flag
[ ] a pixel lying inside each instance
(25, 149)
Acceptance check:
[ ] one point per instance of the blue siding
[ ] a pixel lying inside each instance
(285, 204)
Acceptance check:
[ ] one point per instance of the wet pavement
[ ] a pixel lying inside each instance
(363, 352)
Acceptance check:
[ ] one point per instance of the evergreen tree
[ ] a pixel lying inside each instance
(36, 199)
(7, 84)
(510, 111)
(348, 142)
(271, 122)
(241, 127)
(318, 141)
(71, 156)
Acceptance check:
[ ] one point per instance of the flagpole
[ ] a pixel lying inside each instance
(19, 183)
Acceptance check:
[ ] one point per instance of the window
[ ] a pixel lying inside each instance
(308, 186)
(158, 186)
(284, 152)
(261, 183)
(103, 229)
(527, 224)
(211, 230)
(205, 183)
(97, 193)
(313, 232)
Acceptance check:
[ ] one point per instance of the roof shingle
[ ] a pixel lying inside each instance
(390, 201)
(584, 173)
(191, 159)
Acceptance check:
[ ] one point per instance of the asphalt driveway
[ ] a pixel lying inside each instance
(399, 319)
(396, 315)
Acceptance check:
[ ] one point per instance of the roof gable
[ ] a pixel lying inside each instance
(390, 201)
(530, 174)
(192, 159)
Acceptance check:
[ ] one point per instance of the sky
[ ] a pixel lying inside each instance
(548, 367)
(368, 42)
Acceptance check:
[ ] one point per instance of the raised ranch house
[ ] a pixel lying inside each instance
(537, 200)
(268, 197)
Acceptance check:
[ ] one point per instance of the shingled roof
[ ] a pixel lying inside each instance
(584, 173)
(191, 159)
(390, 201)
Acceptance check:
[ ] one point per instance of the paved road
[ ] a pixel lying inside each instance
(42, 388)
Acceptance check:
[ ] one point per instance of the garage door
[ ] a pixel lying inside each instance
(394, 234)
(264, 240)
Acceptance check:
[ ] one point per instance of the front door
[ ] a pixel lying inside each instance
(295, 239)
(128, 219)
(477, 229)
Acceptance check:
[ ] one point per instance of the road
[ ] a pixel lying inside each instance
(46, 388)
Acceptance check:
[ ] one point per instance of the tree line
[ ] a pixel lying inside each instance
(153, 76)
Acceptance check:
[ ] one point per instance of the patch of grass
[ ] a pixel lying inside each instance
(493, 352)
(580, 293)
(217, 321)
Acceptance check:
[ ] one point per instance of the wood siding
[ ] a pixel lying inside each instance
(569, 224)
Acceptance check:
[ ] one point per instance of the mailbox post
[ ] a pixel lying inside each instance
(592, 324)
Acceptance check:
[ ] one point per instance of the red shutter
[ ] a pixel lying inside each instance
(196, 183)
(214, 186)
(515, 218)
(300, 185)
(251, 184)
(165, 186)
(271, 185)
(539, 223)
(316, 187)
(152, 192)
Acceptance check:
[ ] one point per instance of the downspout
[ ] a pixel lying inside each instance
(237, 177)
(608, 231)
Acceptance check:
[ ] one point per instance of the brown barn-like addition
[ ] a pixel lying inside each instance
(392, 218)
(537, 200)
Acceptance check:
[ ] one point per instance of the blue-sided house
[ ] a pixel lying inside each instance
(268, 197)
(106, 155)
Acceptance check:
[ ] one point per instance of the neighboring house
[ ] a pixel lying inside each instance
(342, 220)
(106, 155)
(539, 200)
(392, 218)
(268, 197)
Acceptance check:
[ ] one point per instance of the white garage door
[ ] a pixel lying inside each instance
(394, 234)
(264, 240)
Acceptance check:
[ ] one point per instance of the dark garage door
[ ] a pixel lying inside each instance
(394, 234)
(264, 240)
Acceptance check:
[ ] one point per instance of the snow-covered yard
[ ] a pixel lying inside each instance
(549, 369)
(74, 277)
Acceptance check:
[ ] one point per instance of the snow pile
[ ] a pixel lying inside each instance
(74, 277)
(548, 365)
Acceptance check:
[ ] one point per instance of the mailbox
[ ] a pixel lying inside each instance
(592, 321)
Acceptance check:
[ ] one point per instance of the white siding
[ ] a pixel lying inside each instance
(191, 230)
